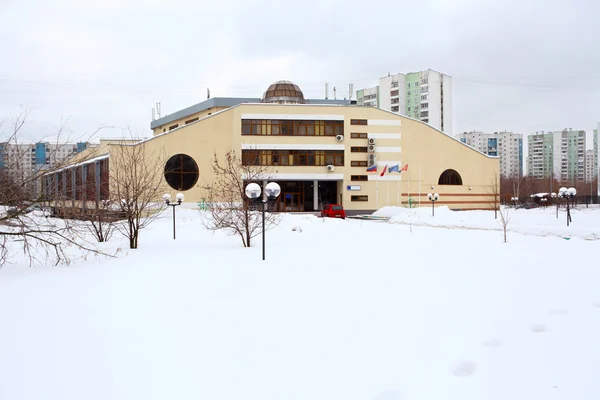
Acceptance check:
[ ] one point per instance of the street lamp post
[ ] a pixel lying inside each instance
(433, 198)
(567, 194)
(179, 200)
(272, 191)
(514, 200)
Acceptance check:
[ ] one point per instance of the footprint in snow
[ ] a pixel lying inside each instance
(493, 343)
(538, 328)
(388, 395)
(464, 369)
(559, 311)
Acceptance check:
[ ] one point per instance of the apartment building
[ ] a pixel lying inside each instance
(560, 154)
(424, 95)
(23, 161)
(591, 169)
(369, 97)
(506, 145)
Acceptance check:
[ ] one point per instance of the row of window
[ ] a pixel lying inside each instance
(293, 157)
(292, 127)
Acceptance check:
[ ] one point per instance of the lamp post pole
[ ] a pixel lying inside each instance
(264, 211)
(271, 192)
(167, 199)
(568, 194)
(433, 198)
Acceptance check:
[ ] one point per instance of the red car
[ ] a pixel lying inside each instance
(333, 211)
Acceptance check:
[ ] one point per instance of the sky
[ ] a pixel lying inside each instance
(517, 65)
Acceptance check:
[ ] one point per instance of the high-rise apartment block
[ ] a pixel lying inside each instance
(591, 165)
(561, 154)
(424, 95)
(23, 161)
(506, 145)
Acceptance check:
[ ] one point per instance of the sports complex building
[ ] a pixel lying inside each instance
(319, 151)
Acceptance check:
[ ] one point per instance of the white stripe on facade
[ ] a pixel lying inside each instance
(304, 146)
(388, 149)
(384, 135)
(384, 122)
(305, 177)
(389, 163)
(386, 177)
(312, 117)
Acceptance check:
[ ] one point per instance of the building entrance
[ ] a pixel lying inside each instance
(302, 196)
(293, 202)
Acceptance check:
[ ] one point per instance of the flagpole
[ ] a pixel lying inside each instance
(408, 199)
(419, 185)
(387, 189)
(398, 190)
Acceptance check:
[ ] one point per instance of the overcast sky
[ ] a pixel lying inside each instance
(519, 65)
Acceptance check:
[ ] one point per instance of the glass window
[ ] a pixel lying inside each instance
(181, 172)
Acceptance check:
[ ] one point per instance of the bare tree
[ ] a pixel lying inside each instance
(494, 194)
(504, 219)
(102, 220)
(228, 207)
(24, 228)
(136, 185)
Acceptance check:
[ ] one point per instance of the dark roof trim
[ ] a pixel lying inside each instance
(227, 102)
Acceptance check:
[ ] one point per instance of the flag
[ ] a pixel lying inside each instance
(405, 168)
(394, 168)
(372, 168)
(383, 172)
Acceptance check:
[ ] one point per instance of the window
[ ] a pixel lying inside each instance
(358, 149)
(173, 126)
(189, 121)
(359, 178)
(181, 172)
(293, 157)
(358, 135)
(450, 177)
(358, 122)
(358, 163)
(394, 93)
(395, 108)
(359, 198)
(292, 127)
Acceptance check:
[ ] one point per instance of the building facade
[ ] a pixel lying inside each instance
(319, 152)
(591, 169)
(559, 154)
(23, 162)
(424, 95)
(506, 145)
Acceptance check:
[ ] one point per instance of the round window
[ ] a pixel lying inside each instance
(181, 172)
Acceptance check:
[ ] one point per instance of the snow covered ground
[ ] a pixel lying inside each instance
(539, 221)
(341, 309)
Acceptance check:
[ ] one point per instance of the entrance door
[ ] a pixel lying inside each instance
(292, 202)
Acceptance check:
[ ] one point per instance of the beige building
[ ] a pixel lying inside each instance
(319, 152)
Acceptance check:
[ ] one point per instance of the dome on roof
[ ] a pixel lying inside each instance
(283, 92)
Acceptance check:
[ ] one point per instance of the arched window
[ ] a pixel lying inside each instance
(181, 172)
(450, 177)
